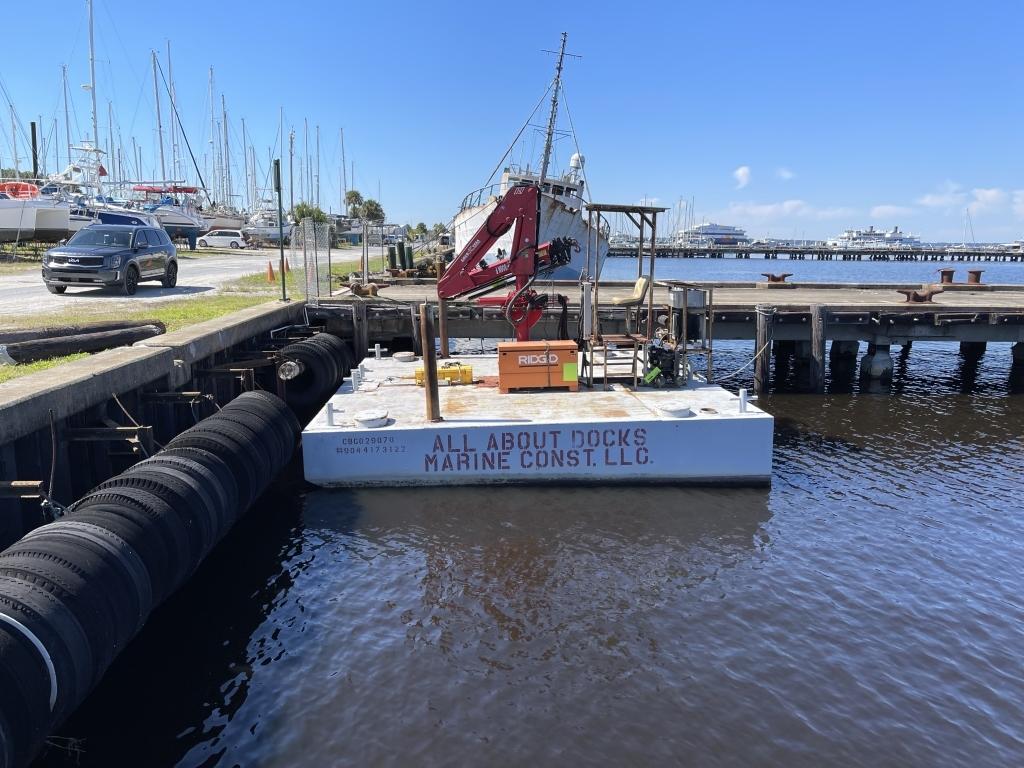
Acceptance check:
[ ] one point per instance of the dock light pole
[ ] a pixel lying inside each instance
(280, 226)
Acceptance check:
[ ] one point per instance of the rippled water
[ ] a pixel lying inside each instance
(866, 610)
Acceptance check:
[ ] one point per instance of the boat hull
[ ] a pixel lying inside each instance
(17, 221)
(556, 220)
(223, 221)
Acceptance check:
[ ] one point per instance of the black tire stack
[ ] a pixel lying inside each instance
(74, 592)
(325, 360)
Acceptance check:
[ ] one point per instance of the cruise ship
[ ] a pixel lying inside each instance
(874, 238)
(711, 234)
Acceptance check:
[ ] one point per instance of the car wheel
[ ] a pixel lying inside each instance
(170, 278)
(202, 244)
(234, 243)
(131, 280)
(56, 288)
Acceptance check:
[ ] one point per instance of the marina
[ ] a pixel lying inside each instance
(573, 475)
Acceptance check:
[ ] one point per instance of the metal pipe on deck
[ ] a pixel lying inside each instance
(433, 398)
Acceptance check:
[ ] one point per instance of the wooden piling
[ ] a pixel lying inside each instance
(817, 360)
(414, 311)
(763, 347)
(442, 314)
(433, 400)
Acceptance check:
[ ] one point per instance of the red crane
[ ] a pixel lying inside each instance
(469, 276)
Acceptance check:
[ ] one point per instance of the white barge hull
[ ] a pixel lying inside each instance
(616, 436)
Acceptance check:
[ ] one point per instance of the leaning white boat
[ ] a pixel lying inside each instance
(561, 215)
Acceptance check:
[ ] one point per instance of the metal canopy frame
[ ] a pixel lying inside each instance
(645, 217)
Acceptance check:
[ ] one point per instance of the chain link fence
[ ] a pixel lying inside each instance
(311, 247)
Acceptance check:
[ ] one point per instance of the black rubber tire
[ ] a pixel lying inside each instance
(184, 495)
(242, 446)
(306, 390)
(326, 342)
(25, 717)
(260, 431)
(115, 568)
(72, 587)
(162, 517)
(225, 479)
(276, 416)
(243, 466)
(202, 244)
(56, 627)
(170, 278)
(58, 289)
(223, 502)
(130, 283)
(139, 532)
(270, 403)
(348, 360)
(234, 243)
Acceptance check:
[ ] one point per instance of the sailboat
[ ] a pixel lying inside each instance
(562, 200)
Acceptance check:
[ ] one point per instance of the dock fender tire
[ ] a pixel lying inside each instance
(259, 430)
(272, 403)
(70, 585)
(221, 502)
(57, 629)
(185, 497)
(329, 344)
(110, 564)
(225, 478)
(306, 389)
(253, 453)
(135, 528)
(25, 717)
(170, 278)
(281, 422)
(130, 282)
(242, 466)
(162, 518)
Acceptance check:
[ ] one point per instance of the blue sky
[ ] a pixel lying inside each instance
(787, 118)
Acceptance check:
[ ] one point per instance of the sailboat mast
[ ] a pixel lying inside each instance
(92, 79)
(159, 123)
(213, 140)
(175, 160)
(245, 160)
(110, 141)
(67, 123)
(550, 135)
(318, 166)
(344, 175)
(227, 153)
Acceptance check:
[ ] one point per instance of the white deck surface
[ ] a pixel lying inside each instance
(617, 435)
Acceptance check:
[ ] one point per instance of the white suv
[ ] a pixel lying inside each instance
(223, 238)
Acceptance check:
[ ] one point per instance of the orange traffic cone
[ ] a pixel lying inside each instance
(270, 273)
(287, 266)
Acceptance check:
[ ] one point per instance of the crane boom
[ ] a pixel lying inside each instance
(469, 276)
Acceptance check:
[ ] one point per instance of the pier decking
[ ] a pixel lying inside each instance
(807, 315)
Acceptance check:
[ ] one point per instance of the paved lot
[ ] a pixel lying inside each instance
(25, 293)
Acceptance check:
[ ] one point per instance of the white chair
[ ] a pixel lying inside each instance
(633, 302)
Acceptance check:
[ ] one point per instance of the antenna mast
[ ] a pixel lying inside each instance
(554, 112)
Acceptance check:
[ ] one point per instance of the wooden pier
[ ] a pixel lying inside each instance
(823, 252)
(818, 323)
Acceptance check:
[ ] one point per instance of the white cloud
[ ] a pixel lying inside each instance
(949, 195)
(784, 173)
(1018, 203)
(742, 176)
(986, 199)
(891, 211)
(786, 209)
